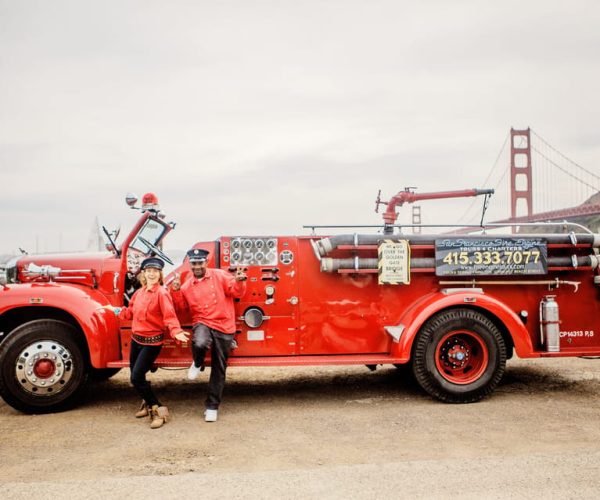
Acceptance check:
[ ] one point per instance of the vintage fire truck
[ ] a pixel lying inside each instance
(451, 307)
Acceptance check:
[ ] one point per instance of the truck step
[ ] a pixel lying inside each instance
(355, 359)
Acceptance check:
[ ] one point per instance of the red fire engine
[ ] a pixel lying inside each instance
(452, 307)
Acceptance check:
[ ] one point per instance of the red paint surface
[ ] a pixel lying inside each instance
(320, 318)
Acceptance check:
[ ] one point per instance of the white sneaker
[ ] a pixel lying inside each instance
(210, 415)
(193, 371)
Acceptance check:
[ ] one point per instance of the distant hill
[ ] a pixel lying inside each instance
(592, 222)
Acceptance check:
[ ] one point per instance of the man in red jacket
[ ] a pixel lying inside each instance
(209, 296)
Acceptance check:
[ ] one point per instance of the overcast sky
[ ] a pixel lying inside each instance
(256, 117)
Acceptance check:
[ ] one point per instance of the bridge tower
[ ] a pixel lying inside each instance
(520, 173)
(416, 219)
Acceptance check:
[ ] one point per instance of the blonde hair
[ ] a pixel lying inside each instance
(143, 281)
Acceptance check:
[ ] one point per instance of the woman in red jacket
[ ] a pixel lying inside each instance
(152, 312)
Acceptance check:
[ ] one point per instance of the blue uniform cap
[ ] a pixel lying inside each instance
(154, 262)
(197, 255)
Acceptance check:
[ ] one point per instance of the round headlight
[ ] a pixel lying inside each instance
(11, 271)
(131, 199)
(253, 317)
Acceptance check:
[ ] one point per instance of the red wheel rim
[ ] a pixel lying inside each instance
(461, 357)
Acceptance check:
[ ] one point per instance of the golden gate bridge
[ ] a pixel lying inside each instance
(543, 185)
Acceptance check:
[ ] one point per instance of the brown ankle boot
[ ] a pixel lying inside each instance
(143, 411)
(160, 416)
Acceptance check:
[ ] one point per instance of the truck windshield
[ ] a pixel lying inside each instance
(151, 232)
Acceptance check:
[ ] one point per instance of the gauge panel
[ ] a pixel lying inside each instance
(253, 251)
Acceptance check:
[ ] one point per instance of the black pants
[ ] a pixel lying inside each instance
(141, 358)
(220, 345)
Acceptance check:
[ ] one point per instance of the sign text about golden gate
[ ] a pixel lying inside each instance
(394, 262)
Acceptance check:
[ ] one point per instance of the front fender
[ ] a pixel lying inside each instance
(415, 316)
(100, 327)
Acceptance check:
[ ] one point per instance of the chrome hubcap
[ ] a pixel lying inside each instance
(44, 368)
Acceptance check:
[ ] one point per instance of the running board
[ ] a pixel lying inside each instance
(354, 359)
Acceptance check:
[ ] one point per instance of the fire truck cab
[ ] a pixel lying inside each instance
(451, 307)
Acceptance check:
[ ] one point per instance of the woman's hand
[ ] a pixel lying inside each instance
(114, 309)
(182, 336)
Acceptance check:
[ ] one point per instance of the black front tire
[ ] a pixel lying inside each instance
(43, 368)
(459, 356)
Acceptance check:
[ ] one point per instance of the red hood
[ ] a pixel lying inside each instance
(83, 263)
(67, 260)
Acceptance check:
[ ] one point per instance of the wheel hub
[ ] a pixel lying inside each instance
(461, 357)
(457, 355)
(43, 368)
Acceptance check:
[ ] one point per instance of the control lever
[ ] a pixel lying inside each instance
(271, 276)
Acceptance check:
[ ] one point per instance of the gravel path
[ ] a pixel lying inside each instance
(327, 432)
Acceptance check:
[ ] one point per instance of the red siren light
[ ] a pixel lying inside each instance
(149, 201)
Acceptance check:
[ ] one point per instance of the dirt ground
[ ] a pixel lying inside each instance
(327, 432)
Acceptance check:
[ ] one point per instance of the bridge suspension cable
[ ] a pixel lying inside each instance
(573, 176)
(474, 215)
(597, 177)
(558, 180)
